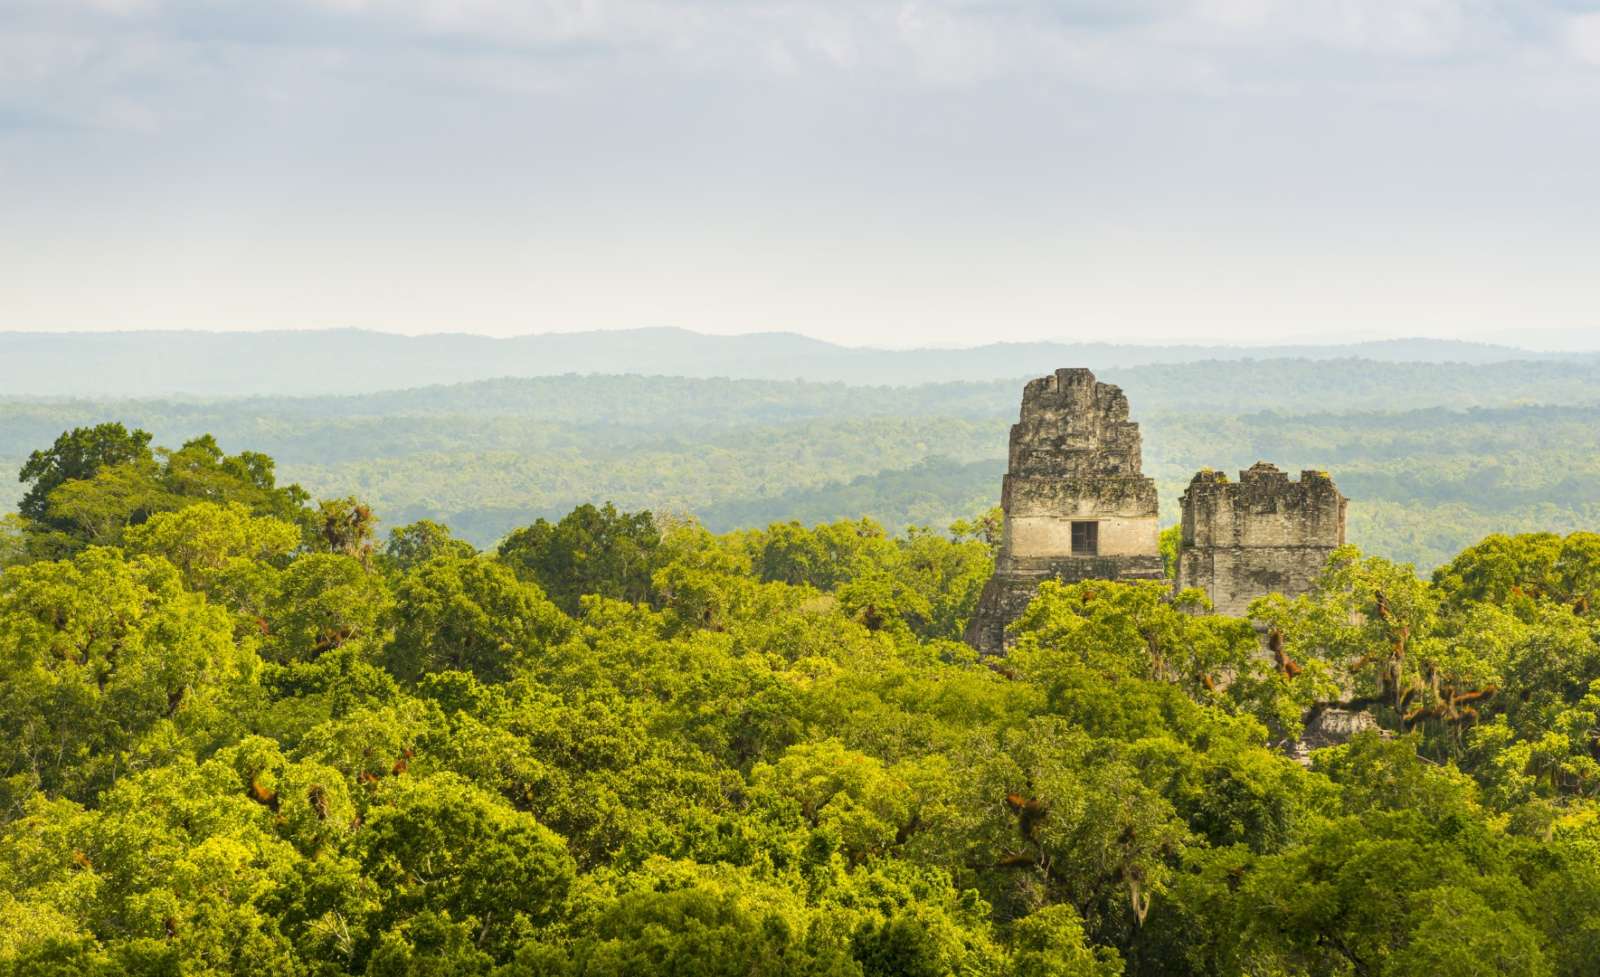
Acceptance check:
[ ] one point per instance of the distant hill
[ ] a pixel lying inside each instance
(226, 364)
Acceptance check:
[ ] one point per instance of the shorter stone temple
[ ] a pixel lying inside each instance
(1264, 534)
(1077, 506)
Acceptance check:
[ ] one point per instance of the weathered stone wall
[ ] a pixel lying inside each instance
(1075, 457)
(1265, 533)
(1040, 511)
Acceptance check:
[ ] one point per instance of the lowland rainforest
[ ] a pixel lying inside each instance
(604, 676)
(1435, 455)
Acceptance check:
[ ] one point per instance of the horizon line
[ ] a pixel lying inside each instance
(1174, 343)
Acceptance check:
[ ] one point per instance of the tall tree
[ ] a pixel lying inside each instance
(80, 453)
(591, 550)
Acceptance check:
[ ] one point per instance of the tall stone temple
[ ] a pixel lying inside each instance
(1077, 506)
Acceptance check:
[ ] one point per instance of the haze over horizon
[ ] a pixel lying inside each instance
(929, 172)
(1554, 341)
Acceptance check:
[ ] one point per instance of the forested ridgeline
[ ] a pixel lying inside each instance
(338, 361)
(1435, 456)
(240, 734)
(655, 401)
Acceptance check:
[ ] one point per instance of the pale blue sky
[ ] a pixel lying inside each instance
(896, 173)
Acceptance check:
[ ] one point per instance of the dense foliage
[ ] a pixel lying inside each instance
(238, 735)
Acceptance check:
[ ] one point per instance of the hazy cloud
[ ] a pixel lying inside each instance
(1583, 31)
(98, 49)
(893, 164)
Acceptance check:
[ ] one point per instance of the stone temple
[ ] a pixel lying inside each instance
(1264, 534)
(1077, 506)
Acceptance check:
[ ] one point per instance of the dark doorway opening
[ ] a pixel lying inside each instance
(1085, 539)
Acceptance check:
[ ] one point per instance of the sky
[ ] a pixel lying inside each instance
(926, 172)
